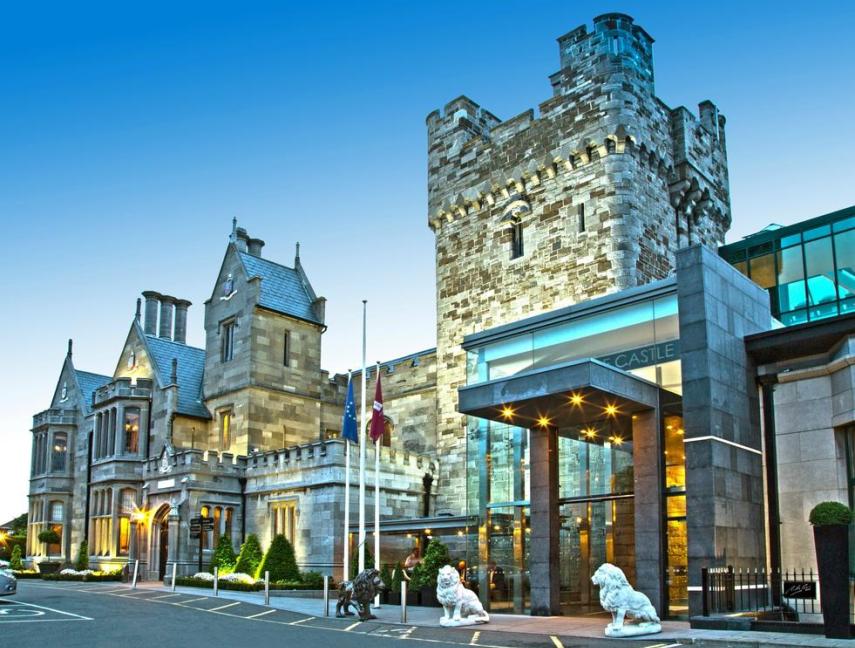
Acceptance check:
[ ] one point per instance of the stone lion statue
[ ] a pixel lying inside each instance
(618, 598)
(460, 605)
(359, 593)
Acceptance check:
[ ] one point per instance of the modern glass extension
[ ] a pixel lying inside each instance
(808, 268)
(637, 334)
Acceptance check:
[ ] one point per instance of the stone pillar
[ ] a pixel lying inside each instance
(174, 527)
(544, 555)
(719, 306)
(181, 306)
(649, 508)
(167, 304)
(150, 319)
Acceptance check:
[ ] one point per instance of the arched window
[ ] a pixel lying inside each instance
(512, 218)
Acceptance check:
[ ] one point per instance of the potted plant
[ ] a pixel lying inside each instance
(830, 522)
(424, 575)
(386, 595)
(49, 537)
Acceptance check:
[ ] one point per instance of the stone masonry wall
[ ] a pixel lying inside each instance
(607, 184)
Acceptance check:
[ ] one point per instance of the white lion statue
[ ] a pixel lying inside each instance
(460, 605)
(618, 598)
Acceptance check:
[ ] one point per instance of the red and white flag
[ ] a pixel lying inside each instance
(378, 421)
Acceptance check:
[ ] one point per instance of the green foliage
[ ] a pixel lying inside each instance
(26, 573)
(224, 556)
(19, 525)
(250, 556)
(354, 562)
(87, 578)
(829, 513)
(82, 557)
(394, 583)
(16, 562)
(386, 575)
(280, 561)
(189, 581)
(436, 556)
(314, 580)
(49, 537)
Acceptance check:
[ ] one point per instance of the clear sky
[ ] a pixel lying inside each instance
(131, 135)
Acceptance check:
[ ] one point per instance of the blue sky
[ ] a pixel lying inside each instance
(132, 136)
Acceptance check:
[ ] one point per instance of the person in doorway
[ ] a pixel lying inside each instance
(410, 563)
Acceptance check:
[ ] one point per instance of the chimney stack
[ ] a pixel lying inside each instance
(166, 306)
(181, 306)
(138, 311)
(150, 326)
(255, 245)
(241, 239)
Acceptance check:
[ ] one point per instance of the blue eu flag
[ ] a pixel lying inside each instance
(348, 423)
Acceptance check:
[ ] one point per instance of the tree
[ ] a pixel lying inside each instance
(436, 557)
(49, 537)
(280, 561)
(16, 562)
(224, 556)
(250, 556)
(83, 556)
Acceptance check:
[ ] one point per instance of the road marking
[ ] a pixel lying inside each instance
(223, 607)
(406, 635)
(556, 641)
(352, 626)
(253, 616)
(201, 598)
(298, 622)
(475, 636)
(157, 598)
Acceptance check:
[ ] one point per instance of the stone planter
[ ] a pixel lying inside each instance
(428, 596)
(832, 557)
(49, 567)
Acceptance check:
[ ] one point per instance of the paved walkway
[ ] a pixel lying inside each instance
(673, 632)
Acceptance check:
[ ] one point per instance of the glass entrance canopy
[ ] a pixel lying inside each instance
(639, 335)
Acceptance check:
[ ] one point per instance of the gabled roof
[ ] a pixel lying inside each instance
(88, 383)
(283, 289)
(191, 369)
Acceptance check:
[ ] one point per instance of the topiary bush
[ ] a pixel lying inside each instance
(250, 556)
(436, 556)
(49, 537)
(829, 513)
(280, 561)
(224, 556)
(354, 561)
(16, 562)
(83, 557)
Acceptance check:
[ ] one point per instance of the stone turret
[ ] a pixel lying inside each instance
(594, 195)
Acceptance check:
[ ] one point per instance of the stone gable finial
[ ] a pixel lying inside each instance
(233, 236)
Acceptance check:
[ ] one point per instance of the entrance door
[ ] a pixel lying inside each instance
(164, 548)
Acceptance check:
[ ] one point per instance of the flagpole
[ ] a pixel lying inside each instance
(377, 503)
(362, 433)
(346, 565)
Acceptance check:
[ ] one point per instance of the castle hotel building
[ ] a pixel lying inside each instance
(608, 384)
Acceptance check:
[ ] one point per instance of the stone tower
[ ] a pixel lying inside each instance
(593, 196)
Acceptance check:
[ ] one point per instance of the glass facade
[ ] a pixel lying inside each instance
(595, 461)
(808, 268)
(642, 338)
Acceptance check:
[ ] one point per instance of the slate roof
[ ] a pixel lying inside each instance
(191, 369)
(89, 382)
(282, 288)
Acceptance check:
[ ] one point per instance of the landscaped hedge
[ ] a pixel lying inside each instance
(189, 581)
(26, 573)
(88, 578)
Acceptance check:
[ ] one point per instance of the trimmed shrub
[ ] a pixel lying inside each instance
(21, 574)
(49, 537)
(96, 577)
(436, 557)
(83, 556)
(314, 580)
(280, 561)
(16, 562)
(354, 562)
(224, 556)
(829, 513)
(250, 556)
